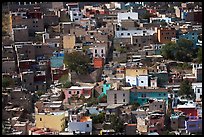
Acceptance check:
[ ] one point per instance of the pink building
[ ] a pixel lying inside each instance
(85, 91)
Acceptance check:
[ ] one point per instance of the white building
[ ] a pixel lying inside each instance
(99, 51)
(118, 96)
(159, 19)
(75, 15)
(197, 88)
(82, 126)
(127, 16)
(130, 33)
(141, 80)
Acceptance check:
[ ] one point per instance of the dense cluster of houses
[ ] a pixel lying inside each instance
(130, 79)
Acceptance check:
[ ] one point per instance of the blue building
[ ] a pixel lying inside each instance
(192, 36)
(57, 59)
(142, 96)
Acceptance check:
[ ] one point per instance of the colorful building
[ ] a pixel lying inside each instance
(54, 120)
(194, 124)
(142, 96)
(79, 91)
(137, 76)
(192, 36)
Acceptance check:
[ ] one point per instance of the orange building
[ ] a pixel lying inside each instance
(98, 62)
(165, 35)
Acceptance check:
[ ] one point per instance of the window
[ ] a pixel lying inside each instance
(70, 92)
(128, 17)
(121, 34)
(40, 119)
(87, 125)
(128, 34)
(95, 50)
(198, 90)
(160, 106)
(115, 96)
(101, 50)
(77, 92)
(164, 94)
(74, 14)
(123, 94)
(123, 100)
(142, 81)
(24, 80)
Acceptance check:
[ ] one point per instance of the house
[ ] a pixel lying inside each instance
(197, 88)
(20, 33)
(126, 16)
(99, 51)
(56, 61)
(130, 129)
(85, 91)
(192, 36)
(118, 96)
(156, 122)
(143, 95)
(75, 15)
(142, 125)
(197, 71)
(27, 79)
(68, 42)
(8, 66)
(24, 96)
(194, 124)
(98, 62)
(137, 76)
(83, 126)
(53, 120)
(165, 35)
(188, 108)
(177, 120)
(157, 105)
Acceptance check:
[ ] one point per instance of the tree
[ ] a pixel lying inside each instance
(116, 123)
(186, 89)
(168, 50)
(100, 118)
(77, 61)
(200, 55)
(7, 81)
(182, 50)
(65, 81)
(135, 106)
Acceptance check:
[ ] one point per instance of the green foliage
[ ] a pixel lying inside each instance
(77, 61)
(180, 51)
(65, 81)
(7, 81)
(116, 123)
(64, 18)
(39, 93)
(100, 118)
(121, 49)
(200, 55)
(91, 101)
(135, 105)
(186, 89)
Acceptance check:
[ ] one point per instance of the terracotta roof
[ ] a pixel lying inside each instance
(85, 118)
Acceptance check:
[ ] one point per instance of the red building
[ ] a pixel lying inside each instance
(189, 109)
(98, 62)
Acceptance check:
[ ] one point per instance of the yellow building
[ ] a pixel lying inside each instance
(54, 120)
(136, 71)
(68, 41)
